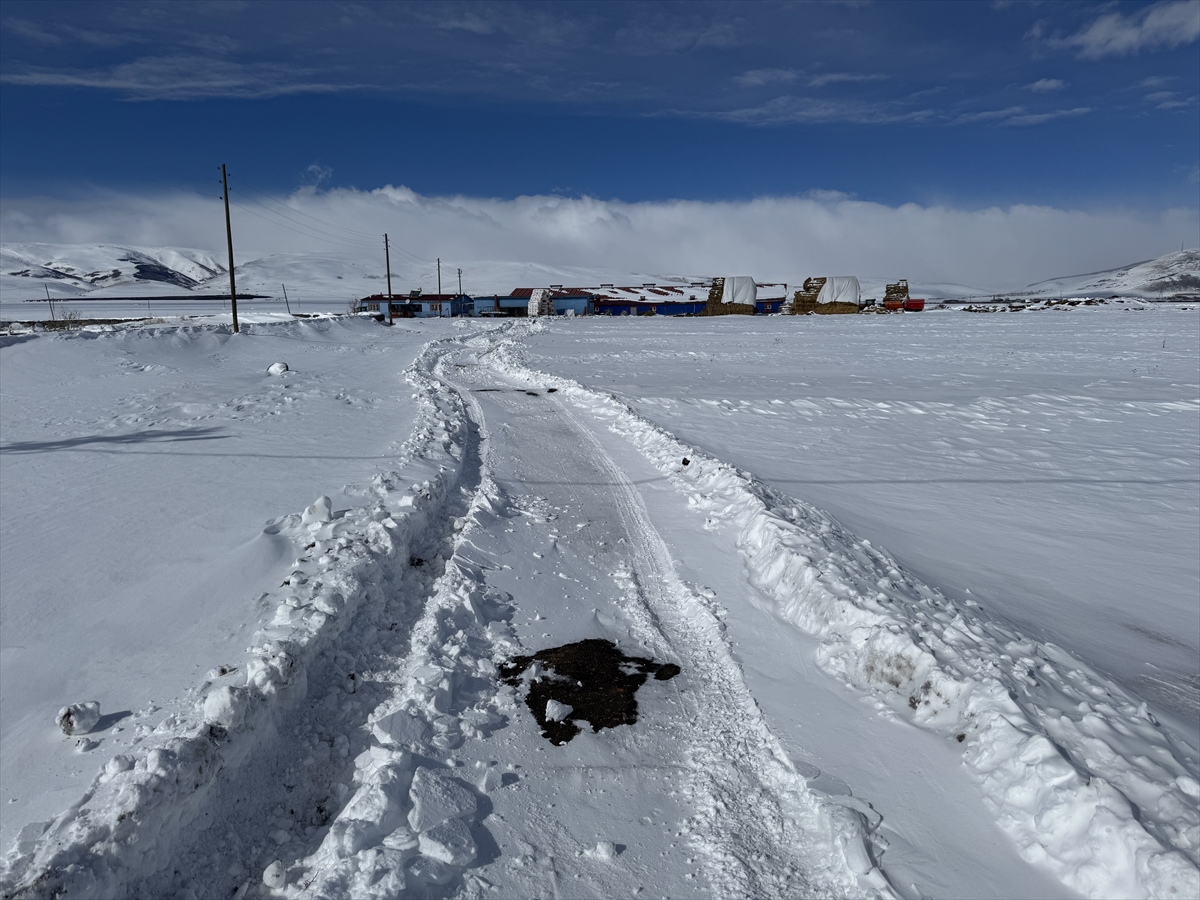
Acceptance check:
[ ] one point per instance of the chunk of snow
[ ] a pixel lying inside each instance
(450, 842)
(556, 712)
(275, 876)
(400, 728)
(225, 706)
(78, 718)
(435, 799)
(604, 850)
(320, 511)
(277, 368)
(430, 871)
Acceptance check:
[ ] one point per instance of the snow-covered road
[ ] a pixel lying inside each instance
(836, 726)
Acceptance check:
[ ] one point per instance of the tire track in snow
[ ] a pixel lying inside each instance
(758, 827)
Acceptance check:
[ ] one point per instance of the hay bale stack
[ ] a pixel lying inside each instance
(805, 301)
(716, 291)
(714, 306)
(897, 291)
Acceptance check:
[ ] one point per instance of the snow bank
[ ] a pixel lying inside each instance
(1077, 771)
(126, 826)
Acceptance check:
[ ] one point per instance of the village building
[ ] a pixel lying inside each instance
(712, 296)
(416, 305)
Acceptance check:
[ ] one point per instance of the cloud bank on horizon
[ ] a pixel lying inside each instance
(771, 238)
(991, 144)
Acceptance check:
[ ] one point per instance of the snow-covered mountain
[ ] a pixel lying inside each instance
(72, 270)
(1154, 279)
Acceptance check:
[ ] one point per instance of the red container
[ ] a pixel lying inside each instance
(893, 305)
(914, 305)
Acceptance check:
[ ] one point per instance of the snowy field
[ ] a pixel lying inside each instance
(930, 585)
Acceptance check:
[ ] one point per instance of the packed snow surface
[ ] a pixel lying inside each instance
(922, 590)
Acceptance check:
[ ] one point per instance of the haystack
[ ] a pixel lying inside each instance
(837, 295)
(725, 294)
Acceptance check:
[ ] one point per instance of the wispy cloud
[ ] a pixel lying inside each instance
(31, 31)
(759, 77)
(1169, 100)
(1041, 118)
(1162, 26)
(184, 78)
(845, 77)
(1018, 115)
(793, 109)
(1046, 85)
(988, 115)
(467, 22)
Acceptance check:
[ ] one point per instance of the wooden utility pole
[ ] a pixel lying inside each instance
(229, 239)
(460, 282)
(285, 299)
(439, 276)
(48, 300)
(388, 259)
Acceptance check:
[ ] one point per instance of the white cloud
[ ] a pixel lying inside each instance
(1045, 85)
(1039, 118)
(790, 109)
(988, 115)
(185, 78)
(774, 238)
(1017, 115)
(844, 77)
(1162, 26)
(759, 77)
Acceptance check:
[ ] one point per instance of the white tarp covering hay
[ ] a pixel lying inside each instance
(840, 289)
(740, 289)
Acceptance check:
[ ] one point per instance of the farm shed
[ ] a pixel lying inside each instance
(647, 300)
(566, 301)
(769, 298)
(417, 305)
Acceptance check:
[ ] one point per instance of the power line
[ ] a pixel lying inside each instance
(317, 237)
(324, 222)
(311, 230)
(302, 212)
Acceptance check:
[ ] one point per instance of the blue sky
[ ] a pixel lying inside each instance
(1075, 104)
(1083, 108)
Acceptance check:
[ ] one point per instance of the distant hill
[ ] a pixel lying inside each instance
(1154, 279)
(72, 270)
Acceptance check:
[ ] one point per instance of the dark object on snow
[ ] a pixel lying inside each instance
(415, 561)
(551, 390)
(593, 678)
(686, 460)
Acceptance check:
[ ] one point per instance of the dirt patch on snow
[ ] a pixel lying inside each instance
(589, 681)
